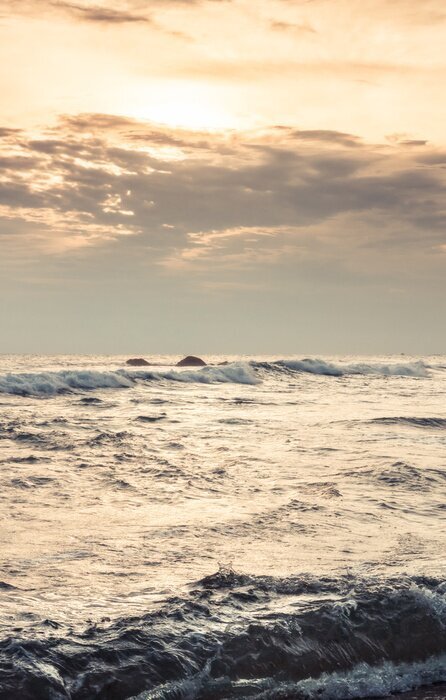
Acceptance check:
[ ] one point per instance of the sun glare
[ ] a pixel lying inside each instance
(186, 106)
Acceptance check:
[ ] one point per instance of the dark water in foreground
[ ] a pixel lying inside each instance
(262, 529)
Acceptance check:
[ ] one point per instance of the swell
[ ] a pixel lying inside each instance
(243, 636)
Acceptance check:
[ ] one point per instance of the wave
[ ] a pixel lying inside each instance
(150, 419)
(403, 477)
(72, 381)
(239, 636)
(363, 681)
(411, 420)
(331, 369)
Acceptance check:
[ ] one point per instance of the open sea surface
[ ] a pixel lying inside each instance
(266, 529)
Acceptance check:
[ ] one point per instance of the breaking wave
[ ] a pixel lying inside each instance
(363, 681)
(236, 636)
(331, 369)
(68, 381)
(253, 372)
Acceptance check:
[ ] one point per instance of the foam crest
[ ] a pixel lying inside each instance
(234, 373)
(64, 381)
(363, 681)
(50, 383)
(317, 366)
(366, 681)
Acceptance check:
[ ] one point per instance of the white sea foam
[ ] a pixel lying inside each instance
(365, 681)
(317, 366)
(65, 381)
(362, 681)
(50, 383)
(234, 373)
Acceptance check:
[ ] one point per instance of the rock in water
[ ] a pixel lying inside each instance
(191, 361)
(137, 362)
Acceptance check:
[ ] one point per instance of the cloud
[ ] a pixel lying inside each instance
(7, 131)
(292, 27)
(414, 142)
(114, 12)
(100, 13)
(327, 135)
(220, 201)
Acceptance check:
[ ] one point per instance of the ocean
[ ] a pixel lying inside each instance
(270, 528)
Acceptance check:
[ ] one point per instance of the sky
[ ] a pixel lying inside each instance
(223, 176)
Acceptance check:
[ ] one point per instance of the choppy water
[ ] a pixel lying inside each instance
(262, 529)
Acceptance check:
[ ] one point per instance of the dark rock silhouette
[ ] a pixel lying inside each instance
(191, 361)
(137, 362)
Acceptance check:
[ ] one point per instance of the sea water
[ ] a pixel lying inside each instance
(264, 528)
